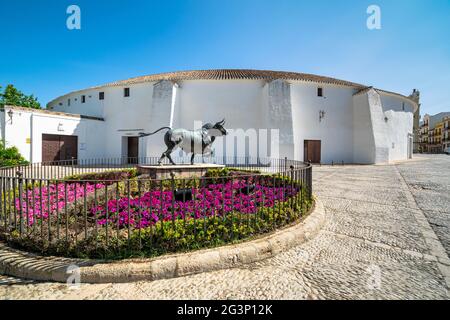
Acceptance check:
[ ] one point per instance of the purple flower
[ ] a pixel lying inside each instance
(153, 206)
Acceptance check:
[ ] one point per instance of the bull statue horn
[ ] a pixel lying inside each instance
(221, 122)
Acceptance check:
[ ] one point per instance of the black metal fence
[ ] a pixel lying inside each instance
(102, 208)
(64, 168)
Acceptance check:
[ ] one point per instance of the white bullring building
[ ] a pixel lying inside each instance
(315, 118)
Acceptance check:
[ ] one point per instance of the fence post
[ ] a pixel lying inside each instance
(292, 200)
(285, 165)
(20, 209)
(172, 185)
(310, 182)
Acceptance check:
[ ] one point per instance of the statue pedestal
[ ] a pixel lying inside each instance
(179, 170)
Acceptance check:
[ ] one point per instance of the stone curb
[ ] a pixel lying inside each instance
(32, 266)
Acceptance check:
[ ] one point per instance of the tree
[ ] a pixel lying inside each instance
(14, 97)
(10, 156)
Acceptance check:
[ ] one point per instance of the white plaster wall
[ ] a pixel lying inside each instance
(92, 107)
(347, 131)
(363, 138)
(335, 130)
(161, 110)
(17, 131)
(238, 101)
(269, 149)
(400, 125)
(395, 103)
(379, 127)
(279, 116)
(126, 116)
(382, 125)
(400, 115)
(89, 133)
(31, 125)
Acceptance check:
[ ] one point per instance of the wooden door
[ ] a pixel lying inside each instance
(312, 151)
(133, 149)
(69, 147)
(57, 147)
(50, 148)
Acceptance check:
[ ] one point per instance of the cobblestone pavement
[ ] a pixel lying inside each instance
(386, 237)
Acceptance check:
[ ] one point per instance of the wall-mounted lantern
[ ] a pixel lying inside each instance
(10, 115)
(321, 115)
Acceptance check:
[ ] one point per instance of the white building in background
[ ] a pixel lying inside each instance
(315, 118)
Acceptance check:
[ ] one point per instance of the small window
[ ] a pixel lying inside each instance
(83, 99)
(68, 102)
(60, 103)
(403, 106)
(320, 92)
(101, 96)
(126, 92)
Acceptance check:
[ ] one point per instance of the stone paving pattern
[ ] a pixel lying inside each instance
(390, 220)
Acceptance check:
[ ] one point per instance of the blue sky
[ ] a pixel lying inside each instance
(122, 39)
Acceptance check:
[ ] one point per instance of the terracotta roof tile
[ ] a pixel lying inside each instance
(228, 74)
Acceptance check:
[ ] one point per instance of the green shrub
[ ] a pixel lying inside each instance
(108, 175)
(228, 172)
(217, 173)
(11, 157)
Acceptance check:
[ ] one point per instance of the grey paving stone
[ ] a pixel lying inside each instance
(374, 245)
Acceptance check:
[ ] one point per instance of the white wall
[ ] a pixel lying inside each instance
(335, 130)
(17, 130)
(161, 111)
(353, 129)
(89, 133)
(92, 107)
(382, 125)
(379, 127)
(238, 101)
(363, 135)
(279, 116)
(28, 126)
(400, 115)
(126, 116)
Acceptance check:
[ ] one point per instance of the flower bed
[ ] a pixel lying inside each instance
(212, 200)
(40, 202)
(135, 216)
